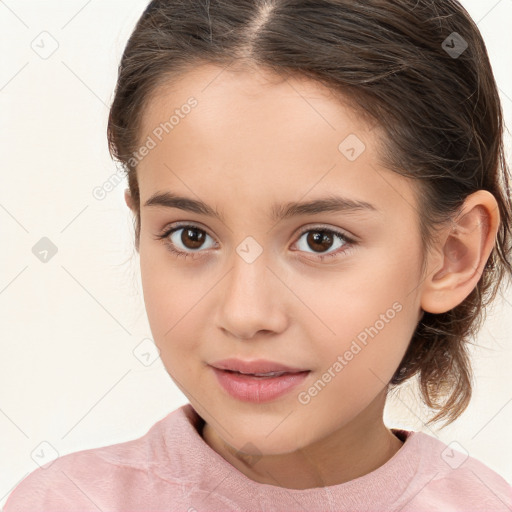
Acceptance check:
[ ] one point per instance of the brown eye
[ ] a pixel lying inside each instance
(321, 239)
(192, 238)
(190, 242)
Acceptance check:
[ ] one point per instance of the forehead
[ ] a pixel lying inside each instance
(264, 138)
(235, 95)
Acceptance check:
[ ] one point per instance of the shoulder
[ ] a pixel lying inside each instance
(87, 479)
(452, 479)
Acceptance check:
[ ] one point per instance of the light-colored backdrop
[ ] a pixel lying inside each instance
(72, 365)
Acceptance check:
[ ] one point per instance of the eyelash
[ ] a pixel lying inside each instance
(349, 242)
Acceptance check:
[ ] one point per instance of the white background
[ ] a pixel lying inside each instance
(69, 327)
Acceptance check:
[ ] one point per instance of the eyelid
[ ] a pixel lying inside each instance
(170, 228)
(320, 227)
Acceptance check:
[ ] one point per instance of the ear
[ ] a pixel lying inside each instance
(129, 202)
(128, 199)
(457, 263)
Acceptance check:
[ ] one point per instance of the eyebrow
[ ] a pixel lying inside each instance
(278, 211)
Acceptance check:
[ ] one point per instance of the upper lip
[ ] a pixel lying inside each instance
(254, 366)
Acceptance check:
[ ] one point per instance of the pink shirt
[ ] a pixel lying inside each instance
(172, 468)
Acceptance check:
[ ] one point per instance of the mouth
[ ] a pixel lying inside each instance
(257, 367)
(258, 387)
(267, 375)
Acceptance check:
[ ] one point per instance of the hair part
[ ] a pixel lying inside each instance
(441, 116)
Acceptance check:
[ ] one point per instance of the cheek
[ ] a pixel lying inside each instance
(158, 296)
(360, 359)
(367, 313)
(163, 291)
(174, 299)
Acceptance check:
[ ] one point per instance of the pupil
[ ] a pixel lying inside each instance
(319, 238)
(195, 235)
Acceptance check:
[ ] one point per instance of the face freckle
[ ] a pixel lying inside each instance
(249, 148)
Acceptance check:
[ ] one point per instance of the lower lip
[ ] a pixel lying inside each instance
(258, 389)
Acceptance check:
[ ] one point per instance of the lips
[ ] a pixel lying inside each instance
(258, 367)
(261, 387)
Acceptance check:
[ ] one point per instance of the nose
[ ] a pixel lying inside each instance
(252, 300)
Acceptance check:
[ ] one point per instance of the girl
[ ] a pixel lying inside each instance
(322, 212)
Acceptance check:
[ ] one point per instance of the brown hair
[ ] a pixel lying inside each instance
(440, 111)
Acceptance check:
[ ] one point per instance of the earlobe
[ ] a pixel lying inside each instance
(462, 254)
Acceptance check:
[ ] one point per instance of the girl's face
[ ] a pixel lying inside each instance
(253, 284)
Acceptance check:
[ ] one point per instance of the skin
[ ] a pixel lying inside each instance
(253, 140)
